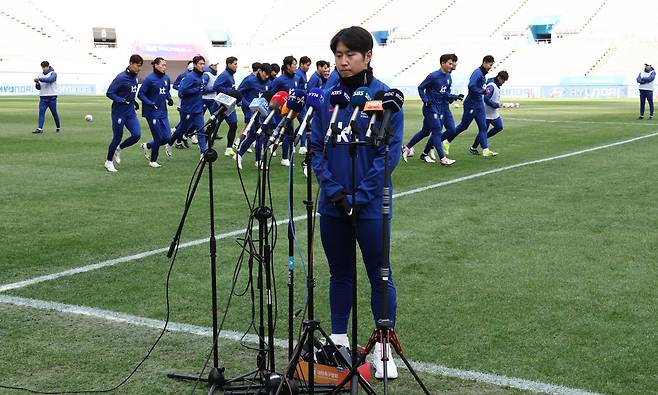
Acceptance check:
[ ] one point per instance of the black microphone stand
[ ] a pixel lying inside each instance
(384, 332)
(216, 377)
(267, 379)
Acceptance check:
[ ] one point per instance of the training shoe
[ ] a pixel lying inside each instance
(650, 117)
(109, 166)
(302, 150)
(391, 368)
(179, 145)
(405, 152)
(195, 139)
(168, 150)
(37, 131)
(229, 152)
(433, 153)
(154, 164)
(487, 153)
(238, 160)
(185, 143)
(473, 151)
(640, 117)
(412, 153)
(117, 156)
(285, 162)
(445, 161)
(426, 158)
(250, 150)
(446, 147)
(147, 151)
(57, 130)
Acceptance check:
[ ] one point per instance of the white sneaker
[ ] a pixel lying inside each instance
(411, 152)
(109, 166)
(302, 150)
(117, 156)
(154, 164)
(405, 153)
(391, 368)
(285, 162)
(238, 160)
(195, 139)
(147, 151)
(168, 150)
(433, 153)
(447, 162)
(426, 158)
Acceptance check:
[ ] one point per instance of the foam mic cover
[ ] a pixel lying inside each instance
(314, 98)
(393, 100)
(296, 100)
(278, 99)
(360, 97)
(339, 96)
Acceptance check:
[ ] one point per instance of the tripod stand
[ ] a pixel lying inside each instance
(384, 331)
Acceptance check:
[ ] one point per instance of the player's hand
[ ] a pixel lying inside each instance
(36, 80)
(342, 204)
(170, 102)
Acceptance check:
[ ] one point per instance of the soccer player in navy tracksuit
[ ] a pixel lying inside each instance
(209, 77)
(47, 86)
(181, 143)
(302, 83)
(491, 106)
(435, 93)
(251, 87)
(225, 83)
(191, 104)
(474, 108)
(352, 48)
(645, 79)
(318, 79)
(155, 96)
(287, 81)
(122, 91)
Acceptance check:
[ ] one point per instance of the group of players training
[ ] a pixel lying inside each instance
(199, 85)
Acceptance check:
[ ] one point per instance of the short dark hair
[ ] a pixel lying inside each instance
(287, 61)
(136, 59)
(503, 75)
(355, 38)
(321, 63)
(230, 60)
(305, 60)
(445, 57)
(453, 57)
(275, 67)
(157, 60)
(45, 63)
(197, 59)
(265, 67)
(189, 61)
(255, 66)
(488, 59)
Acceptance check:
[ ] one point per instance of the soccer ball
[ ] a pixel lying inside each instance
(89, 118)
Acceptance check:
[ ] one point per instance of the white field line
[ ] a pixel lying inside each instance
(112, 262)
(487, 378)
(637, 123)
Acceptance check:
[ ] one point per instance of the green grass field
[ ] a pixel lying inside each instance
(543, 272)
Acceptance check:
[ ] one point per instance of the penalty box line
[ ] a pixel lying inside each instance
(113, 262)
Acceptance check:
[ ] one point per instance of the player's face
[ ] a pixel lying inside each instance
(232, 66)
(213, 67)
(325, 72)
(161, 67)
(487, 65)
(135, 67)
(200, 65)
(45, 69)
(292, 69)
(350, 62)
(500, 81)
(262, 75)
(305, 67)
(647, 68)
(447, 66)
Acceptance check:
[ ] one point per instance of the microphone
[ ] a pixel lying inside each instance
(259, 107)
(359, 98)
(295, 104)
(278, 101)
(392, 103)
(226, 104)
(314, 100)
(339, 98)
(373, 108)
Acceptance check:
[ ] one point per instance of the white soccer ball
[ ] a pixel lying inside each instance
(89, 118)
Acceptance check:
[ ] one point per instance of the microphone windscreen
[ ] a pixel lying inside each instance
(267, 95)
(235, 93)
(393, 100)
(379, 95)
(373, 106)
(360, 97)
(314, 98)
(255, 103)
(262, 108)
(296, 100)
(279, 99)
(284, 109)
(339, 96)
